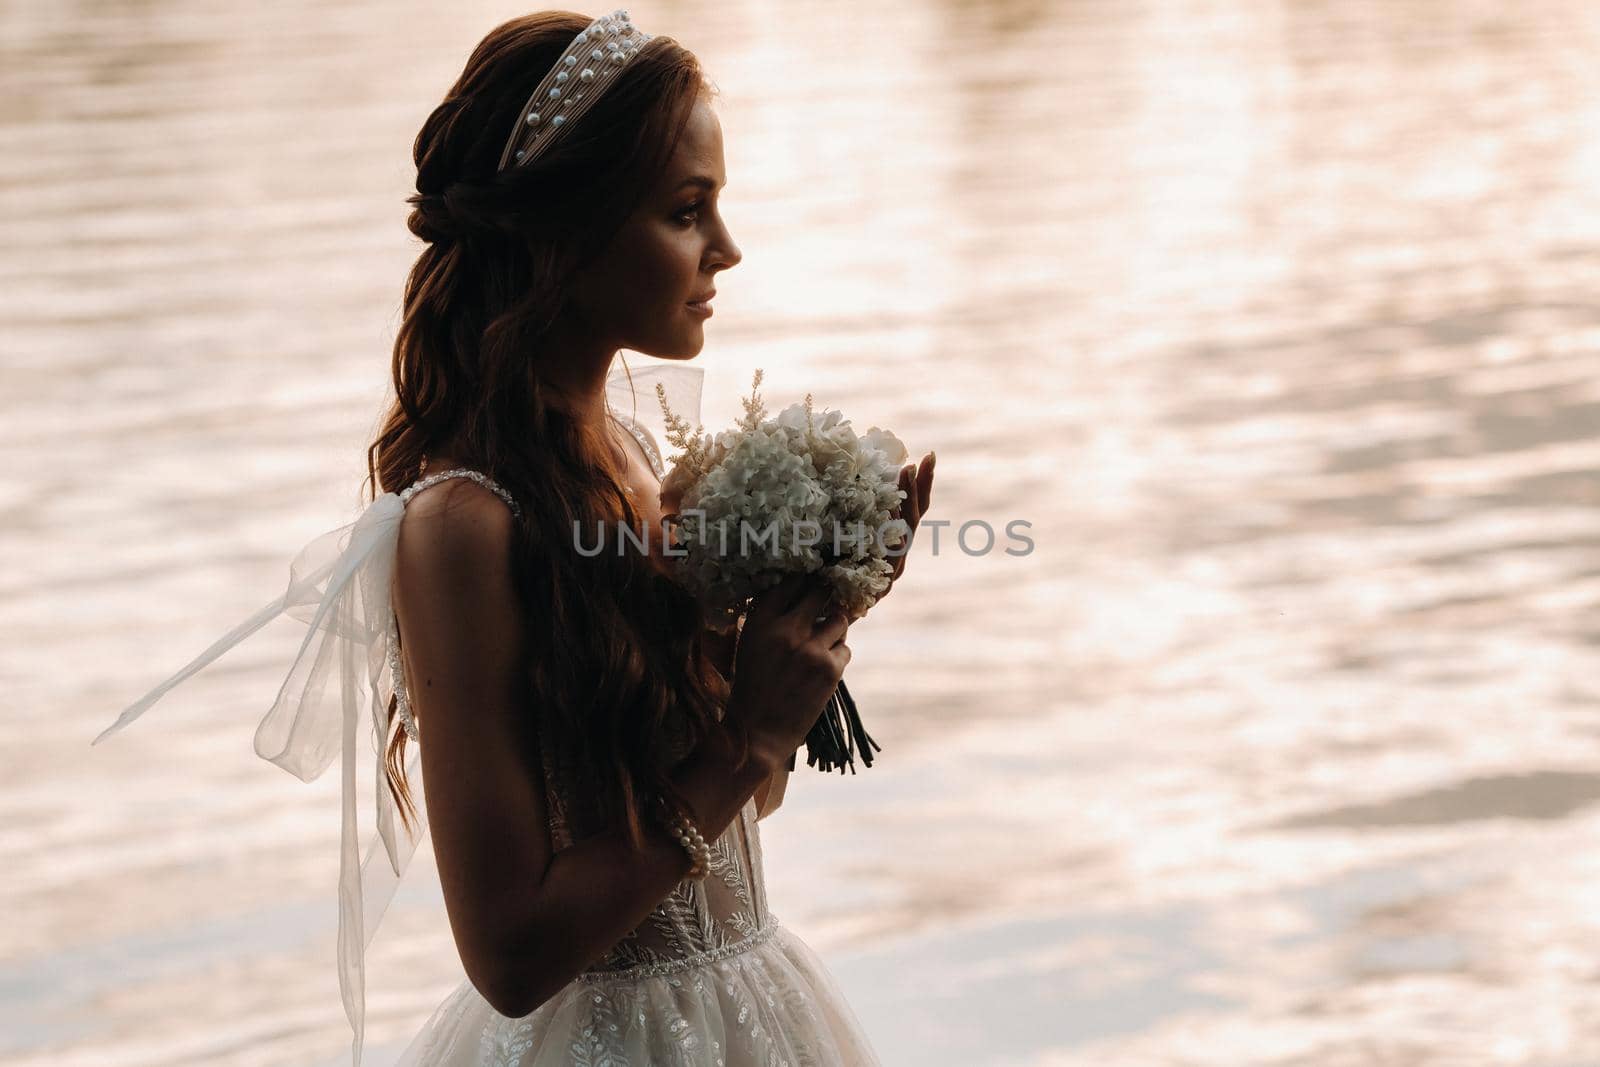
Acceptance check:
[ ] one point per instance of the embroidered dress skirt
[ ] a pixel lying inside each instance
(766, 1000)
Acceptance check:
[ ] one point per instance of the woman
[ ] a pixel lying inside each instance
(593, 758)
(557, 697)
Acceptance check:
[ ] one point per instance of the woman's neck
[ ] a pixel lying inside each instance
(577, 380)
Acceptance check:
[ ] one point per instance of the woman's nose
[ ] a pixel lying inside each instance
(728, 251)
(731, 255)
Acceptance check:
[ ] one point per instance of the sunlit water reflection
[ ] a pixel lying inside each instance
(1275, 320)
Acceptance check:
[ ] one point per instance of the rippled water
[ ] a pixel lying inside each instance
(1276, 321)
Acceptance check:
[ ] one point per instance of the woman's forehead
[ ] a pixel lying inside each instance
(699, 150)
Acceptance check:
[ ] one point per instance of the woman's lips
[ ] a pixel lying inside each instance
(700, 307)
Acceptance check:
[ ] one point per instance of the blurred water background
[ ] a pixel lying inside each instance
(1276, 320)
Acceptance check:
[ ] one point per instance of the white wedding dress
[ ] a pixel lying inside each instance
(709, 979)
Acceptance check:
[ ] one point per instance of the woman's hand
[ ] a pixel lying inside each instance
(917, 481)
(788, 665)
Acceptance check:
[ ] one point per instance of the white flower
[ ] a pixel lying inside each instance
(834, 442)
(883, 441)
(792, 418)
(783, 479)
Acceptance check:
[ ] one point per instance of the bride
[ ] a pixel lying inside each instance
(593, 758)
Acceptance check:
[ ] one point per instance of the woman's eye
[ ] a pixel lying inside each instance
(690, 210)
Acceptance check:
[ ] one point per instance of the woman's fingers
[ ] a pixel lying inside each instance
(917, 482)
(830, 620)
(777, 599)
(814, 601)
(834, 629)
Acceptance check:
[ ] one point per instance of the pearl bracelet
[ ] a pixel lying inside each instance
(688, 836)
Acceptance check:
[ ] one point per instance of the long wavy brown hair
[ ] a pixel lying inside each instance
(616, 666)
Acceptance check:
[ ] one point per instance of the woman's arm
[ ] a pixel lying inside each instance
(721, 649)
(769, 794)
(525, 920)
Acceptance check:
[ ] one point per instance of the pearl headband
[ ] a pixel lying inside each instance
(589, 64)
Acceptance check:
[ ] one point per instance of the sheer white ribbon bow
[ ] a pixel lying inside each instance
(339, 585)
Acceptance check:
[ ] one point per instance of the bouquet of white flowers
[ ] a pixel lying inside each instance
(795, 493)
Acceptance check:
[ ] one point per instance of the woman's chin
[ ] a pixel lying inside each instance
(690, 346)
(681, 344)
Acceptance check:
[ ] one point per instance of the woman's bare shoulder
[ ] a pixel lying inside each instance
(454, 522)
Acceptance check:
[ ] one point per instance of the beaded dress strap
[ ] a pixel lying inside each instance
(397, 674)
(644, 442)
(460, 472)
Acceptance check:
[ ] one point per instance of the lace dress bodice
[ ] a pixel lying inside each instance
(701, 919)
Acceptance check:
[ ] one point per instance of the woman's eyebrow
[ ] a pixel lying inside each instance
(700, 180)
